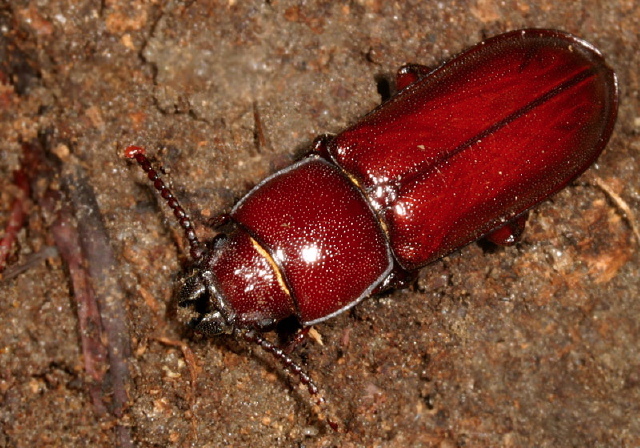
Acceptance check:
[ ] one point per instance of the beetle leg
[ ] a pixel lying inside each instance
(320, 145)
(296, 340)
(219, 221)
(397, 278)
(410, 73)
(510, 233)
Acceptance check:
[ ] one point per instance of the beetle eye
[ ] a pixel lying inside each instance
(193, 300)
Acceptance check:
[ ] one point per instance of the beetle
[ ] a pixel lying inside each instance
(458, 153)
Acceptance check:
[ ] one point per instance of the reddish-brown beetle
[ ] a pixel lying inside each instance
(459, 153)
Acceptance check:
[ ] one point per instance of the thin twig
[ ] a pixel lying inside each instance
(83, 243)
(622, 205)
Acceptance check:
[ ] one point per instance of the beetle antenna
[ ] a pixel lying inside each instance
(291, 367)
(138, 153)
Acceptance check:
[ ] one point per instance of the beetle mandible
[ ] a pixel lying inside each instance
(458, 153)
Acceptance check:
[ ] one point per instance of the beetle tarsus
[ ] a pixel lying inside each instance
(410, 73)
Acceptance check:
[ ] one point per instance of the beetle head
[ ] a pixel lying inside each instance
(201, 306)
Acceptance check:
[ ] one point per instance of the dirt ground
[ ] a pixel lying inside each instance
(533, 345)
